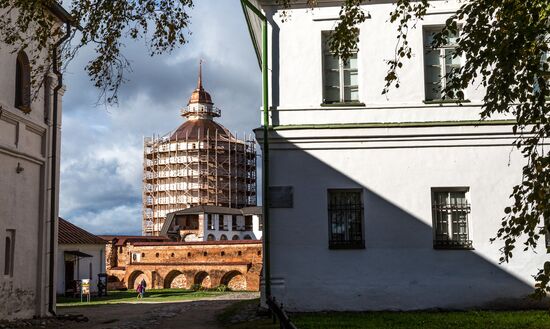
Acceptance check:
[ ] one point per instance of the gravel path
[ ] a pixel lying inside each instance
(193, 314)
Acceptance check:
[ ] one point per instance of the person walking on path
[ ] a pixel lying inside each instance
(143, 286)
(139, 290)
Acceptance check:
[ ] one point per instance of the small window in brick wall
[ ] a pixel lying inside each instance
(172, 255)
(240, 253)
(205, 253)
(223, 253)
(143, 254)
(157, 255)
(188, 254)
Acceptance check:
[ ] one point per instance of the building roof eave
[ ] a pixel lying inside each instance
(255, 35)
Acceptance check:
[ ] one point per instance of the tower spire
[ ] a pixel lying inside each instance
(199, 83)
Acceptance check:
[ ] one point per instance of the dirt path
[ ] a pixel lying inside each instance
(199, 314)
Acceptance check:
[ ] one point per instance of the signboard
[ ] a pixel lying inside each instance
(281, 196)
(85, 286)
(85, 289)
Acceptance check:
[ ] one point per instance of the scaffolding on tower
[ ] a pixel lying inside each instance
(200, 163)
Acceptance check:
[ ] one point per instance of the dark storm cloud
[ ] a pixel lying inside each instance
(102, 147)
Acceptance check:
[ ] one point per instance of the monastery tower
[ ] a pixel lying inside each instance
(200, 163)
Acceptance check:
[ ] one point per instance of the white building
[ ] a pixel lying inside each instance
(212, 223)
(30, 123)
(382, 203)
(80, 255)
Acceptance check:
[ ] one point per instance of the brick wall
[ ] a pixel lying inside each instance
(236, 264)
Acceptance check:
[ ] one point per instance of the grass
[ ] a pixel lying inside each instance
(158, 295)
(426, 320)
(397, 320)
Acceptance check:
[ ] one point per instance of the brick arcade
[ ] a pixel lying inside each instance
(168, 264)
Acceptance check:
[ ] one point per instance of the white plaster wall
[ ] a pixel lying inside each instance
(256, 227)
(82, 271)
(396, 169)
(229, 233)
(296, 70)
(25, 141)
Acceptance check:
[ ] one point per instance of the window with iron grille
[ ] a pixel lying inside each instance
(451, 212)
(345, 213)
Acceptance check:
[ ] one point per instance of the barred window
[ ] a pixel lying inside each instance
(345, 213)
(451, 212)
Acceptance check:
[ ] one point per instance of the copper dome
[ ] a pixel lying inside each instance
(200, 95)
(193, 130)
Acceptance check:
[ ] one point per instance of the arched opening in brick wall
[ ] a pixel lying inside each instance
(203, 279)
(135, 278)
(175, 279)
(234, 280)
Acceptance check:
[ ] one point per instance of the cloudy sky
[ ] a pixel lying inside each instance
(101, 163)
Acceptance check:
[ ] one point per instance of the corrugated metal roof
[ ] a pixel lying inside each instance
(71, 234)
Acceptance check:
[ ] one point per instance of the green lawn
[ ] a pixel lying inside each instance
(425, 320)
(399, 320)
(158, 295)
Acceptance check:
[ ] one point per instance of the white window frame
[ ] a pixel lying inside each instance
(461, 189)
(341, 77)
(442, 65)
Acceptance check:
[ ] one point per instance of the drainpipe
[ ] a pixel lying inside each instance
(265, 157)
(53, 197)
